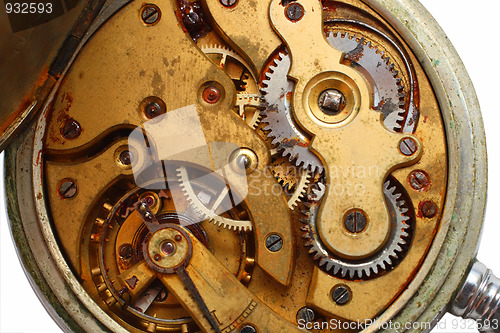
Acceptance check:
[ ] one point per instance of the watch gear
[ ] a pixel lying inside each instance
(367, 268)
(290, 141)
(249, 101)
(255, 101)
(198, 202)
(387, 88)
(301, 187)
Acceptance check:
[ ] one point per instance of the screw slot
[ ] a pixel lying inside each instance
(355, 221)
(294, 12)
(150, 14)
(306, 314)
(408, 146)
(71, 129)
(274, 243)
(419, 180)
(67, 189)
(341, 294)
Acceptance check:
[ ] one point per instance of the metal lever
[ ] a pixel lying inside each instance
(479, 298)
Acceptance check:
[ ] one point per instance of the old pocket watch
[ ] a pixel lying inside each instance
(245, 166)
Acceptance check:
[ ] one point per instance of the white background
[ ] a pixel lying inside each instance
(474, 29)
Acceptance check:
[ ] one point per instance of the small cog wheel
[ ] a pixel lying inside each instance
(384, 259)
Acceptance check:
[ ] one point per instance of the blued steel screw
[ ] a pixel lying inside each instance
(408, 146)
(71, 129)
(341, 294)
(248, 329)
(429, 209)
(306, 314)
(150, 14)
(419, 180)
(331, 101)
(228, 3)
(294, 12)
(67, 189)
(274, 243)
(355, 221)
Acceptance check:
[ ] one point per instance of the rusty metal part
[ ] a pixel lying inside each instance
(367, 268)
(428, 209)
(372, 145)
(93, 157)
(382, 75)
(33, 75)
(193, 18)
(419, 180)
(291, 141)
(172, 41)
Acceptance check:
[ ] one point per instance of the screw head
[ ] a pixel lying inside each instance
(71, 129)
(157, 257)
(178, 238)
(419, 180)
(211, 94)
(408, 146)
(306, 314)
(428, 209)
(150, 14)
(228, 3)
(341, 294)
(126, 251)
(274, 243)
(126, 157)
(67, 189)
(331, 102)
(294, 12)
(355, 221)
(248, 329)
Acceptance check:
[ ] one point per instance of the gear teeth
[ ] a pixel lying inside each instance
(387, 257)
(203, 212)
